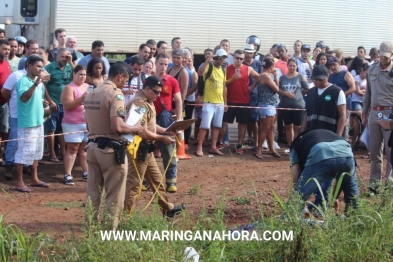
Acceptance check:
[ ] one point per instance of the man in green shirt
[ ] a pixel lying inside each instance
(30, 123)
(60, 72)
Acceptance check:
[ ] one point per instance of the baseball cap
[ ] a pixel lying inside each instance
(306, 46)
(320, 44)
(221, 52)
(386, 49)
(333, 59)
(20, 39)
(177, 52)
(249, 48)
(320, 72)
(153, 81)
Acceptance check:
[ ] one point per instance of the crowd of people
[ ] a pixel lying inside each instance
(87, 101)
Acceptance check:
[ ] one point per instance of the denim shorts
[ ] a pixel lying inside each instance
(212, 115)
(268, 110)
(53, 124)
(357, 106)
(74, 138)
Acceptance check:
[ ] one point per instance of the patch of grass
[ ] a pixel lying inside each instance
(251, 192)
(365, 235)
(62, 205)
(194, 190)
(241, 200)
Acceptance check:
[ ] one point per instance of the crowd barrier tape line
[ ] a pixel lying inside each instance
(69, 133)
(259, 107)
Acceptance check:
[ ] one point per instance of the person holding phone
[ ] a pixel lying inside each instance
(72, 99)
(238, 94)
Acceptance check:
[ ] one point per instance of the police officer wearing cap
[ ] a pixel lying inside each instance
(107, 163)
(144, 166)
(377, 101)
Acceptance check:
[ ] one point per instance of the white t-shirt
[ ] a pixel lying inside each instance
(341, 96)
(362, 85)
(10, 84)
(304, 68)
(133, 86)
(229, 59)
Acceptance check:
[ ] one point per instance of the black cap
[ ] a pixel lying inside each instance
(306, 46)
(333, 59)
(320, 44)
(320, 72)
(153, 81)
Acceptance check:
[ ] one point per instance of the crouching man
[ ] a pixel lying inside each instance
(323, 155)
(145, 165)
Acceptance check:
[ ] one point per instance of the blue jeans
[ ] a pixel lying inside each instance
(166, 153)
(12, 146)
(327, 170)
(164, 120)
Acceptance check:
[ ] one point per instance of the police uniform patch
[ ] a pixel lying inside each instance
(143, 109)
(120, 97)
(120, 111)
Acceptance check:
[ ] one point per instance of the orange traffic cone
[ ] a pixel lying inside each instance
(181, 150)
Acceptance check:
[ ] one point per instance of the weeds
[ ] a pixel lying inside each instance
(364, 236)
(241, 200)
(194, 190)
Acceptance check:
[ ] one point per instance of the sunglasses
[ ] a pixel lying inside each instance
(155, 91)
(239, 58)
(64, 76)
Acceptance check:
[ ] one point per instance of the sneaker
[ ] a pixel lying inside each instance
(84, 177)
(264, 145)
(227, 143)
(171, 188)
(145, 186)
(176, 210)
(68, 180)
(220, 146)
(9, 170)
(276, 146)
(239, 149)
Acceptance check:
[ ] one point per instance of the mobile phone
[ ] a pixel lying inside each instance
(90, 88)
(216, 58)
(237, 70)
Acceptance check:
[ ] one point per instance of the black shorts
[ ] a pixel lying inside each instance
(242, 115)
(294, 117)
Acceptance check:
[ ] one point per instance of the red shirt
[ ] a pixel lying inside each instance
(282, 65)
(171, 87)
(238, 92)
(5, 71)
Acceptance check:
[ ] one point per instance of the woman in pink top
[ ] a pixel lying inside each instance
(72, 99)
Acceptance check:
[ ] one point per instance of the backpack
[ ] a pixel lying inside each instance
(201, 81)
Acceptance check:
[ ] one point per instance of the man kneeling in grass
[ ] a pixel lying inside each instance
(323, 155)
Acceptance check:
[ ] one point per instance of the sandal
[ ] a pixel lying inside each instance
(53, 159)
(258, 155)
(216, 152)
(23, 189)
(275, 154)
(199, 153)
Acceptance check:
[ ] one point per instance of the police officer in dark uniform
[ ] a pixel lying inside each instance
(107, 164)
(144, 166)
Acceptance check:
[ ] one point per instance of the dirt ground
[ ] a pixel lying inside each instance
(59, 209)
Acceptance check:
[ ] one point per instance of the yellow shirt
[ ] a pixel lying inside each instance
(214, 86)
